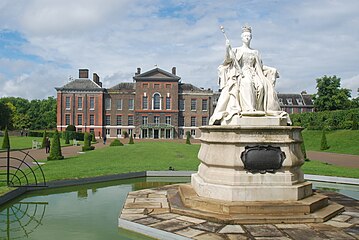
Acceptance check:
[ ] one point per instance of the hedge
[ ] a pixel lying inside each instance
(328, 120)
(72, 135)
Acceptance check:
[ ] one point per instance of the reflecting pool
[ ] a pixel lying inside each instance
(82, 212)
(89, 211)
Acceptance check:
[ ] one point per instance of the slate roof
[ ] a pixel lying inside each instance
(187, 87)
(123, 86)
(81, 84)
(289, 99)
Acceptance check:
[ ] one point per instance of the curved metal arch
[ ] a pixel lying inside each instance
(24, 169)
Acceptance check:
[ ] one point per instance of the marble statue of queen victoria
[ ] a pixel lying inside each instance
(247, 86)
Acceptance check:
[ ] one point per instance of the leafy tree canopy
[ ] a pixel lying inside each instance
(330, 96)
(22, 114)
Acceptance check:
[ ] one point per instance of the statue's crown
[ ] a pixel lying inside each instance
(246, 28)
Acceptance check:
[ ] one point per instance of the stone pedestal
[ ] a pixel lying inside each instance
(223, 174)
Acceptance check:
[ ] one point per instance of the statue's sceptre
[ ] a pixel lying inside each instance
(231, 50)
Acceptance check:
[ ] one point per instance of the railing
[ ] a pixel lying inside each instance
(157, 125)
(19, 169)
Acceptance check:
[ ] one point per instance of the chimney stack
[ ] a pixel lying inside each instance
(174, 70)
(96, 79)
(83, 73)
(138, 71)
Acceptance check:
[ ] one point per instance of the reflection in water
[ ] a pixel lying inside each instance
(21, 219)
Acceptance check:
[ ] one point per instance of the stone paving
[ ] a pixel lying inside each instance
(149, 211)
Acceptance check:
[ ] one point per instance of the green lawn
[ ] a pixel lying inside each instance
(320, 168)
(143, 156)
(25, 142)
(340, 141)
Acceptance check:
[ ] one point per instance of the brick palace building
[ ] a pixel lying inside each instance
(156, 104)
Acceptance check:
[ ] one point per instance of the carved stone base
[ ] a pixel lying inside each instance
(316, 208)
(252, 163)
(258, 192)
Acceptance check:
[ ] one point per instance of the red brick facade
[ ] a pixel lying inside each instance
(148, 107)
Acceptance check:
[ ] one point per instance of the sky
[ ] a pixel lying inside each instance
(43, 43)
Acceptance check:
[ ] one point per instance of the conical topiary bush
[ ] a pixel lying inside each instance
(55, 149)
(6, 141)
(324, 144)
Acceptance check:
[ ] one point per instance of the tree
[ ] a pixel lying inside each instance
(43, 140)
(5, 113)
(324, 144)
(55, 148)
(87, 143)
(355, 122)
(131, 140)
(93, 139)
(330, 96)
(188, 137)
(6, 141)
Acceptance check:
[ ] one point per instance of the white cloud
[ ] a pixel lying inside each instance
(303, 39)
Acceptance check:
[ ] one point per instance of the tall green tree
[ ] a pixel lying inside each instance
(323, 143)
(5, 113)
(6, 141)
(55, 148)
(330, 96)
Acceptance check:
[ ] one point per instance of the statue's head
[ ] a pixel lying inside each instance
(246, 34)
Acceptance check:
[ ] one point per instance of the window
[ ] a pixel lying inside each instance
(79, 119)
(144, 120)
(108, 119)
(119, 104)
(92, 131)
(193, 104)
(281, 101)
(79, 103)
(130, 104)
(67, 119)
(156, 85)
(204, 105)
(156, 101)
(180, 132)
(79, 130)
(193, 121)
(168, 120)
(299, 101)
(108, 103)
(181, 105)
(92, 119)
(168, 85)
(168, 103)
(92, 103)
(156, 120)
(130, 120)
(204, 121)
(193, 132)
(181, 121)
(67, 102)
(119, 132)
(118, 120)
(289, 101)
(144, 102)
(145, 85)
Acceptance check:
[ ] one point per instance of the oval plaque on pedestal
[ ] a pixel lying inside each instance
(262, 159)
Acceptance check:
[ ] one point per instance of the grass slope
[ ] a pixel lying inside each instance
(340, 141)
